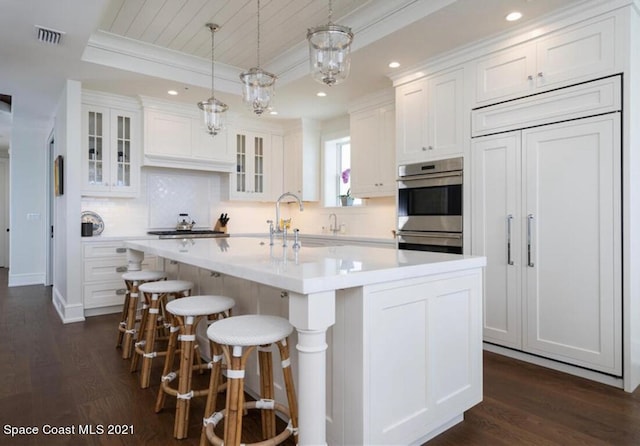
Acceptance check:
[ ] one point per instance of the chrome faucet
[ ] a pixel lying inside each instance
(335, 228)
(286, 194)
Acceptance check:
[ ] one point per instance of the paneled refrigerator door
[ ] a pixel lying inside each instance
(572, 242)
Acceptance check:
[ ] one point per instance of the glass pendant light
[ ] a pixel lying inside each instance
(257, 84)
(329, 52)
(213, 109)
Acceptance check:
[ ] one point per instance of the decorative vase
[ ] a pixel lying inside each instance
(346, 201)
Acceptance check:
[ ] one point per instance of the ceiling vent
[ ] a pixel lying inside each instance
(48, 35)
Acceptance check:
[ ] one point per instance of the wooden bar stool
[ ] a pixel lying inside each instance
(155, 294)
(127, 328)
(232, 335)
(185, 314)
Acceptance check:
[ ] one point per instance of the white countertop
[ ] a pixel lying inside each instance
(309, 270)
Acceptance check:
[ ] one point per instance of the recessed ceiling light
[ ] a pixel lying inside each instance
(172, 92)
(321, 94)
(273, 112)
(513, 16)
(394, 64)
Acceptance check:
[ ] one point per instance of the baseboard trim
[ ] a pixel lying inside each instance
(68, 313)
(25, 279)
(99, 311)
(555, 365)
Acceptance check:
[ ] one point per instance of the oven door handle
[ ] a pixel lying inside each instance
(454, 235)
(430, 180)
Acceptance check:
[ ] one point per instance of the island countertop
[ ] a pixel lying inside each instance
(308, 269)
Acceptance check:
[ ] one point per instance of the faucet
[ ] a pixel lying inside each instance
(286, 194)
(335, 229)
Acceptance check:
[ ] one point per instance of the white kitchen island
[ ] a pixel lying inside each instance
(405, 358)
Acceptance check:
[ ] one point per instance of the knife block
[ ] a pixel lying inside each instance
(219, 227)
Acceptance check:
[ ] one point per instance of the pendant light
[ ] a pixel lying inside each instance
(257, 84)
(213, 109)
(329, 52)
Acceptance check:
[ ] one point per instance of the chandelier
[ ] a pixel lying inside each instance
(329, 48)
(257, 84)
(213, 109)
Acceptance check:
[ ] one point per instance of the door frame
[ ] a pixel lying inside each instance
(50, 155)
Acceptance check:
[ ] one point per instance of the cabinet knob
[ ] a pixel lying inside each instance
(121, 291)
(424, 149)
(430, 147)
(530, 78)
(121, 269)
(540, 74)
(121, 250)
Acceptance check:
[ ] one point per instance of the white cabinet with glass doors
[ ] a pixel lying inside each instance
(110, 152)
(250, 180)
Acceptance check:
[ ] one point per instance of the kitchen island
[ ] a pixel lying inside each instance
(405, 359)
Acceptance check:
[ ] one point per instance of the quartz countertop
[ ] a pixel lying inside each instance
(309, 269)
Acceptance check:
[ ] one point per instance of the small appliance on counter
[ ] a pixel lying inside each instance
(221, 224)
(185, 223)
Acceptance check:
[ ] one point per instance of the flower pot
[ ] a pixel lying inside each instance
(346, 201)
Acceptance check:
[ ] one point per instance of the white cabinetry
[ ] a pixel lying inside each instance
(372, 131)
(250, 181)
(111, 145)
(175, 136)
(546, 214)
(430, 117)
(102, 284)
(575, 54)
(301, 160)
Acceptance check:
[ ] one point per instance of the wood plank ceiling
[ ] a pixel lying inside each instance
(179, 25)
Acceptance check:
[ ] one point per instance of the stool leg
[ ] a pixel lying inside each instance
(169, 360)
(283, 346)
(235, 396)
(150, 338)
(214, 384)
(142, 331)
(187, 339)
(268, 416)
(123, 318)
(131, 303)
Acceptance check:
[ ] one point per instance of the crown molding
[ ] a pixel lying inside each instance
(127, 54)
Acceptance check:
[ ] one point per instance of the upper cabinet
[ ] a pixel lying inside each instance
(372, 130)
(175, 136)
(111, 145)
(300, 164)
(569, 56)
(430, 117)
(251, 181)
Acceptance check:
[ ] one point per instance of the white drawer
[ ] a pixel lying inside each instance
(111, 269)
(104, 294)
(104, 249)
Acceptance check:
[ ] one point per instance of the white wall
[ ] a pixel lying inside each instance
(67, 268)
(27, 199)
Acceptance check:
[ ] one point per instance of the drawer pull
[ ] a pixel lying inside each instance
(121, 291)
(121, 250)
(121, 269)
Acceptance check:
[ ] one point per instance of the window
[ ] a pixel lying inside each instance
(337, 173)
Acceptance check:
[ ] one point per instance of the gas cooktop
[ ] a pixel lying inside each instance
(194, 233)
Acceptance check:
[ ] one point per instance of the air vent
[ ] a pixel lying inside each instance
(48, 35)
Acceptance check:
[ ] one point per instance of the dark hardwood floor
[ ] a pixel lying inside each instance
(71, 375)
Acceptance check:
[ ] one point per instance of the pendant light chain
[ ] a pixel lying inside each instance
(213, 66)
(258, 66)
(330, 12)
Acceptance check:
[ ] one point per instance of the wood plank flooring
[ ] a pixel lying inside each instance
(71, 375)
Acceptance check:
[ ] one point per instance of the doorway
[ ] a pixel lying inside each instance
(4, 212)
(48, 279)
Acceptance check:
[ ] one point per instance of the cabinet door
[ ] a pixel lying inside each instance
(445, 114)
(293, 181)
(579, 54)
(411, 121)
(95, 153)
(506, 73)
(124, 154)
(496, 233)
(573, 242)
(365, 140)
(209, 148)
(250, 180)
(167, 134)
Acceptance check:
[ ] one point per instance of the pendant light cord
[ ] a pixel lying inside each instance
(213, 66)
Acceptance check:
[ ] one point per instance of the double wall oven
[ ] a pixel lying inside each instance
(430, 206)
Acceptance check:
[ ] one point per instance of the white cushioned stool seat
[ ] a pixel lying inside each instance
(166, 286)
(144, 275)
(200, 305)
(250, 329)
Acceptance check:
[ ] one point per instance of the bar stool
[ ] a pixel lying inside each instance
(185, 314)
(155, 294)
(250, 331)
(127, 328)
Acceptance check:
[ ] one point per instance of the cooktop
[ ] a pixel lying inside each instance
(194, 233)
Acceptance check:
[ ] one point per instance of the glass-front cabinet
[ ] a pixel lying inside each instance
(249, 181)
(110, 151)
